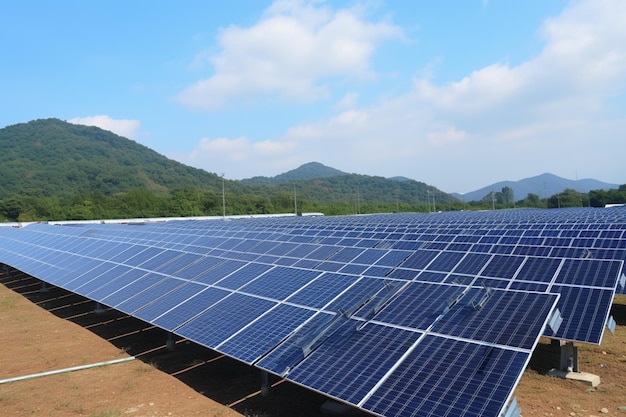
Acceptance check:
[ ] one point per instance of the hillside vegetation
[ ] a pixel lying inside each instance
(54, 170)
(54, 158)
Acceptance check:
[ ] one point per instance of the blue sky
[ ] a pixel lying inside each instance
(457, 94)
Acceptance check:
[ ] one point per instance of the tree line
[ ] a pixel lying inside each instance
(194, 201)
(566, 198)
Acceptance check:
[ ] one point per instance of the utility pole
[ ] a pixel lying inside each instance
(397, 202)
(295, 201)
(223, 198)
(434, 201)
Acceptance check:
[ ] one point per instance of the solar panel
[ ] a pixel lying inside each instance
(399, 315)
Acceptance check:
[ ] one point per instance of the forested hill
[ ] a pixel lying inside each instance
(53, 157)
(53, 170)
(309, 171)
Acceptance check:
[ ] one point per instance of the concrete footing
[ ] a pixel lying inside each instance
(584, 377)
(569, 367)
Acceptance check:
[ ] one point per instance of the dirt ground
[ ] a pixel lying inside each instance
(44, 331)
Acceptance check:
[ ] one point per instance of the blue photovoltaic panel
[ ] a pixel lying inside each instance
(419, 305)
(378, 271)
(123, 256)
(345, 254)
(189, 308)
(491, 282)
(405, 274)
(351, 362)
(111, 273)
(538, 269)
(528, 286)
(302, 250)
(131, 289)
(306, 264)
(321, 291)
(200, 266)
(431, 276)
(322, 253)
(447, 377)
(183, 261)
(168, 300)
(329, 266)
(472, 263)
(446, 261)
(351, 288)
(587, 310)
(369, 256)
(126, 276)
(162, 259)
(75, 269)
(280, 282)
(243, 276)
(502, 266)
(95, 271)
(393, 258)
(419, 259)
(506, 318)
(357, 294)
(220, 271)
(223, 319)
(353, 269)
(589, 272)
(112, 249)
(267, 332)
(289, 353)
(148, 295)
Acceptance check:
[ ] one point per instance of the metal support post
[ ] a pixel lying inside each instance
(569, 357)
(170, 344)
(265, 384)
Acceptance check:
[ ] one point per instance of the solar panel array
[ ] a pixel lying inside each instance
(399, 315)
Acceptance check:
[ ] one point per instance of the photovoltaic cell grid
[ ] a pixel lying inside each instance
(360, 308)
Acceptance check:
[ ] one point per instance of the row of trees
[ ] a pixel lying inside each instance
(566, 198)
(137, 203)
(190, 201)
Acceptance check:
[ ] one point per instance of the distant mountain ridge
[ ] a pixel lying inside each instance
(76, 164)
(544, 185)
(308, 171)
(53, 158)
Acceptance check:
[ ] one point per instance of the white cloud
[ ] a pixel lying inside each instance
(121, 127)
(288, 54)
(248, 158)
(447, 136)
(551, 113)
(348, 101)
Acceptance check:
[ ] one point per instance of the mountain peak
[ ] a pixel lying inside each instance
(543, 185)
(308, 171)
(54, 157)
